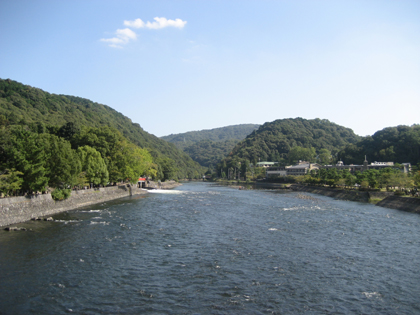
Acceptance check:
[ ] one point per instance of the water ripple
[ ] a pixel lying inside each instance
(214, 250)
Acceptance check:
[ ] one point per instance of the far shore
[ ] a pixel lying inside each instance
(385, 199)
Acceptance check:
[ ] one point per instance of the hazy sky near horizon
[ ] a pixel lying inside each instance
(178, 66)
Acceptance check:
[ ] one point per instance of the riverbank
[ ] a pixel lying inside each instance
(386, 199)
(20, 209)
(380, 198)
(167, 185)
(407, 204)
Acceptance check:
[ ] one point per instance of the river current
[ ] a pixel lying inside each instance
(207, 249)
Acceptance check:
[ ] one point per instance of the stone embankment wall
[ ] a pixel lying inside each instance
(20, 209)
(271, 185)
(351, 195)
(168, 184)
(388, 199)
(408, 204)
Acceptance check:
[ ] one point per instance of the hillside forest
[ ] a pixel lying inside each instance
(38, 130)
(209, 147)
(33, 160)
(287, 141)
(58, 141)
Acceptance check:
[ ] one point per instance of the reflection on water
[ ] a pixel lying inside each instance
(203, 249)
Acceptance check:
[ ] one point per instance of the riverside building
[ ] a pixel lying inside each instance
(303, 168)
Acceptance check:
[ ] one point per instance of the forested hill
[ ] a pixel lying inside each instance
(235, 132)
(399, 144)
(273, 140)
(208, 147)
(24, 105)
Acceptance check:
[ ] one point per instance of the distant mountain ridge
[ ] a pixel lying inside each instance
(209, 146)
(234, 132)
(25, 105)
(273, 140)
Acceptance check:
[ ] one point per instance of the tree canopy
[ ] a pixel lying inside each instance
(64, 116)
(33, 162)
(235, 132)
(399, 144)
(273, 140)
(208, 147)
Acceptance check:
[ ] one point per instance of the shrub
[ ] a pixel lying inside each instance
(364, 184)
(375, 200)
(60, 194)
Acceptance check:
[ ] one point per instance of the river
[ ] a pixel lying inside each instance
(207, 249)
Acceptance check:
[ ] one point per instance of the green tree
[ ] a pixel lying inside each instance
(341, 182)
(68, 130)
(3, 121)
(360, 177)
(332, 174)
(134, 162)
(93, 166)
(364, 184)
(323, 174)
(400, 180)
(324, 157)
(398, 144)
(10, 181)
(416, 179)
(385, 176)
(24, 152)
(372, 177)
(245, 169)
(350, 180)
(166, 168)
(124, 160)
(299, 153)
(274, 140)
(108, 142)
(62, 162)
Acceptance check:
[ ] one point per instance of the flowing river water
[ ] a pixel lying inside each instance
(207, 249)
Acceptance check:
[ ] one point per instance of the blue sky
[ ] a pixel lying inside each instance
(176, 66)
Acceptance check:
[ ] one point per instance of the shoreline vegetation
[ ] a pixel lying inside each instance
(41, 160)
(50, 141)
(55, 146)
(14, 210)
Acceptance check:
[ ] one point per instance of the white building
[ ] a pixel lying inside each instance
(266, 164)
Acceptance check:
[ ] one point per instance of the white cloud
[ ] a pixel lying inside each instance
(137, 23)
(122, 38)
(160, 22)
(113, 40)
(126, 34)
(163, 22)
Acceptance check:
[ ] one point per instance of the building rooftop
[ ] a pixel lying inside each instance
(267, 163)
(306, 165)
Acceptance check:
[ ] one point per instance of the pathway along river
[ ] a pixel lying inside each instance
(206, 249)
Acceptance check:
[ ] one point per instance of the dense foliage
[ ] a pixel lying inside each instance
(236, 132)
(285, 141)
(390, 178)
(27, 106)
(397, 144)
(208, 147)
(61, 194)
(273, 140)
(33, 161)
(208, 153)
